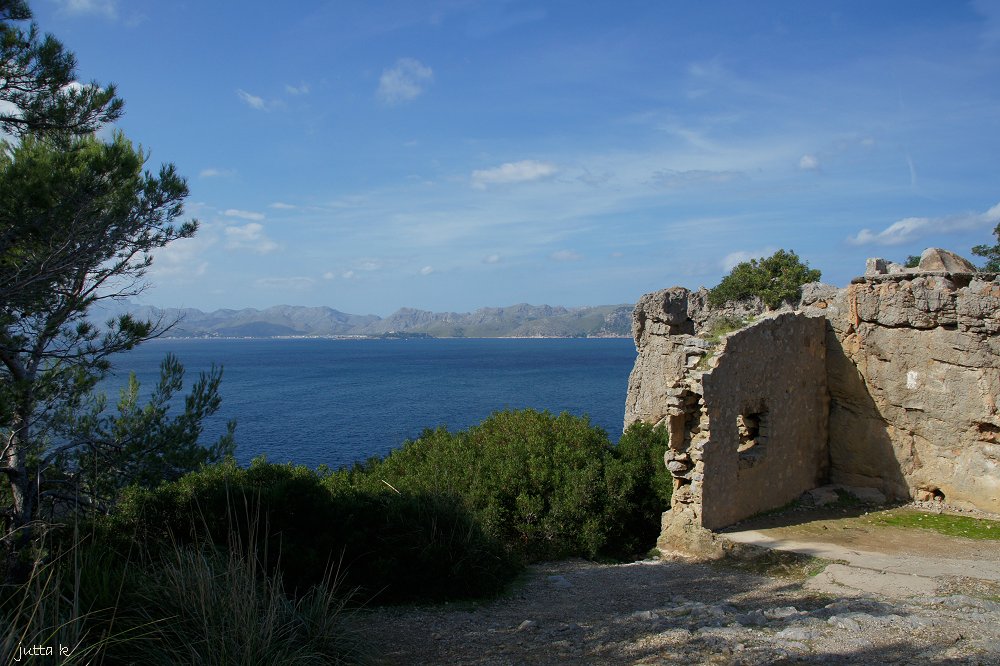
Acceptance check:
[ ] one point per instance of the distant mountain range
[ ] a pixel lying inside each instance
(520, 320)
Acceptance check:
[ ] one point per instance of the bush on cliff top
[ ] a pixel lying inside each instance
(775, 279)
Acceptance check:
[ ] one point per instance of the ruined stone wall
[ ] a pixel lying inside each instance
(766, 400)
(891, 383)
(746, 412)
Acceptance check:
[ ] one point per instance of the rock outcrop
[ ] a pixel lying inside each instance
(890, 383)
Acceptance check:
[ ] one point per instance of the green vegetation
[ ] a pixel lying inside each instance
(389, 546)
(912, 261)
(545, 486)
(991, 253)
(187, 604)
(721, 327)
(446, 516)
(943, 523)
(775, 280)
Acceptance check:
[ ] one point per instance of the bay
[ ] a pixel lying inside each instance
(335, 402)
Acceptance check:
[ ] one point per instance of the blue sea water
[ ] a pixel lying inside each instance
(336, 402)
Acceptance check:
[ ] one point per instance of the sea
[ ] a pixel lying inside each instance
(334, 402)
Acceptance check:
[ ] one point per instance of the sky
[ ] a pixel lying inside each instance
(455, 154)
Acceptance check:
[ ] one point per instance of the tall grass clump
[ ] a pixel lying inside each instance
(186, 604)
(46, 612)
(206, 607)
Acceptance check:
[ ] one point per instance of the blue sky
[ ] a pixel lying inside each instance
(457, 154)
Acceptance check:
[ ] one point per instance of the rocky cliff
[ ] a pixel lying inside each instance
(890, 383)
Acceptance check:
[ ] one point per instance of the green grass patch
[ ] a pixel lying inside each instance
(943, 523)
(723, 326)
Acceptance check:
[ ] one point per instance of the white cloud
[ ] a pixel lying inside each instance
(329, 275)
(426, 270)
(404, 82)
(279, 205)
(347, 275)
(566, 255)
(108, 8)
(252, 101)
(809, 163)
(251, 237)
(512, 172)
(492, 259)
(370, 265)
(182, 259)
(911, 228)
(301, 89)
(243, 214)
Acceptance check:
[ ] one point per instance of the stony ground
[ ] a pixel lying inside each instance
(684, 612)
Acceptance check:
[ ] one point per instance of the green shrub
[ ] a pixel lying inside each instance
(449, 515)
(776, 279)
(391, 547)
(641, 485)
(544, 486)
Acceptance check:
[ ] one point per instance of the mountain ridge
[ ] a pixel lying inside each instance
(518, 320)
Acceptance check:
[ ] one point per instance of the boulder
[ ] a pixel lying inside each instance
(936, 259)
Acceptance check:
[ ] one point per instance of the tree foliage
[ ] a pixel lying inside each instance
(38, 82)
(144, 444)
(775, 280)
(991, 253)
(79, 221)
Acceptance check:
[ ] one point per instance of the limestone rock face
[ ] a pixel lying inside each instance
(914, 374)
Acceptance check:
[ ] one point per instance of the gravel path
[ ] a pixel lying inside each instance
(682, 612)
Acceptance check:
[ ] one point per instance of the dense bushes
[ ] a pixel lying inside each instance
(394, 547)
(445, 516)
(544, 486)
(774, 280)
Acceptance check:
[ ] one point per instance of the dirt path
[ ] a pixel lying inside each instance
(683, 612)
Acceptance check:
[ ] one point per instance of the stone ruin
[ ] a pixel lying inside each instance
(889, 384)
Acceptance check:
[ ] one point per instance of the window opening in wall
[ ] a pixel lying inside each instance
(752, 428)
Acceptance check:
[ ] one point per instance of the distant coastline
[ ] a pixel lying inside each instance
(290, 322)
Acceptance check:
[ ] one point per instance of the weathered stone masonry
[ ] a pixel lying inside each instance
(890, 384)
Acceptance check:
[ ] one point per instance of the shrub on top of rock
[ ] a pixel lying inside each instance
(775, 280)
